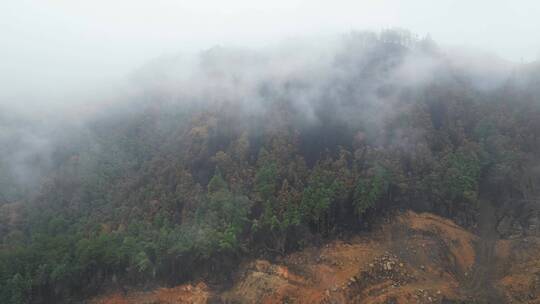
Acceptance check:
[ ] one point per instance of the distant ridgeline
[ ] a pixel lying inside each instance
(257, 153)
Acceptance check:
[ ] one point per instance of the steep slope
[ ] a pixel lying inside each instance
(256, 154)
(408, 258)
(416, 257)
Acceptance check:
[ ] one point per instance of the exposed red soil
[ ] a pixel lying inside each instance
(411, 258)
(183, 294)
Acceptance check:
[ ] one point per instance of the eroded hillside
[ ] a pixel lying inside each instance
(409, 258)
(235, 160)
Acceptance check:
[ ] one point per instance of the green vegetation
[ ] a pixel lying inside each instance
(369, 190)
(164, 193)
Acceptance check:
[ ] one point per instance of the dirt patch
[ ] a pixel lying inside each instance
(183, 294)
(520, 280)
(411, 258)
(433, 232)
(408, 258)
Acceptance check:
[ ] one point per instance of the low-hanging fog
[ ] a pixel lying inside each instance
(150, 143)
(62, 61)
(62, 51)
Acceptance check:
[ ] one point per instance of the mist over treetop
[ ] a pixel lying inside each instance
(258, 152)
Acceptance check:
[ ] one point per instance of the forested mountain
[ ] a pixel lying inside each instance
(249, 153)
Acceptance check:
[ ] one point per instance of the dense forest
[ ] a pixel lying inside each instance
(254, 153)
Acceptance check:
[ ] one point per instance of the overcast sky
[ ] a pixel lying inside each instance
(57, 47)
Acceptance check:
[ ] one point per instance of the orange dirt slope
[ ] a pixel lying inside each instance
(408, 258)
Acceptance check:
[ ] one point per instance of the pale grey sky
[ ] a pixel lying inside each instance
(55, 48)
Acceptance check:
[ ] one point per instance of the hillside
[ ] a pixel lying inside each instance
(408, 258)
(246, 155)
